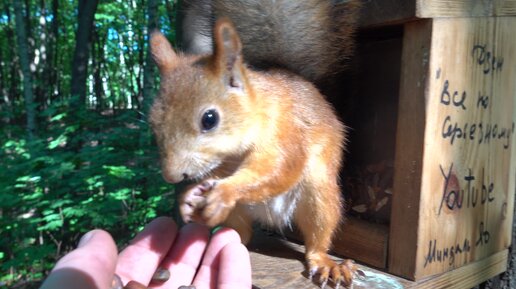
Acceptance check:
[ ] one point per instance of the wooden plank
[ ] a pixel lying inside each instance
(504, 84)
(387, 12)
(279, 264)
(464, 8)
(454, 8)
(363, 241)
(468, 276)
(409, 148)
(505, 8)
(468, 139)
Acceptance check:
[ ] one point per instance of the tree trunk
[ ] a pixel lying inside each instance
(41, 70)
(23, 51)
(53, 59)
(87, 9)
(149, 68)
(14, 67)
(97, 60)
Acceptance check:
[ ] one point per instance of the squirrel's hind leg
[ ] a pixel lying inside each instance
(317, 217)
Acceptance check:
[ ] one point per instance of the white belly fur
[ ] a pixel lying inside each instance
(278, 211)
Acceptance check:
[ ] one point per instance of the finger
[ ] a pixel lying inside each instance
(139, 260)
(208, 271)
(234, 267)
(90, 266)
(185, 256)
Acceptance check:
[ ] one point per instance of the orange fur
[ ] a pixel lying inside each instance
(277, 138)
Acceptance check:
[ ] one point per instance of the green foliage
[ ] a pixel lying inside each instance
(90, 165)
(85, 171)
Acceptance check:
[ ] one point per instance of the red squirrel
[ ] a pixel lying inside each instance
(262, 143)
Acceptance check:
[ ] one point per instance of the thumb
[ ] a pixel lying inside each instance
(90, 266)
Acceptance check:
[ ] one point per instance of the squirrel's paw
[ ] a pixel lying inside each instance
(219, 203)
(193, 201)
(206, 203)
(327, 269)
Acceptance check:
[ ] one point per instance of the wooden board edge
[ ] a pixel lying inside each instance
(467, 276)
(464, 8)
(392, 12)
(279, 263)
(409, 149)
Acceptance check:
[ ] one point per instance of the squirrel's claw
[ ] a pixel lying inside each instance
(339, 274)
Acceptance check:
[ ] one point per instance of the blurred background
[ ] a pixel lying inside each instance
(76, 151)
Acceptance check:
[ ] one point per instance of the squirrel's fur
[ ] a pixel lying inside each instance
(311, 38)
(263, 144)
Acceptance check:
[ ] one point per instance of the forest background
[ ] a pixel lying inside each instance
(76, 151)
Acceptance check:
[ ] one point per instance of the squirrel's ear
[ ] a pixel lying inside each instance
(228, 53)
(162, 52)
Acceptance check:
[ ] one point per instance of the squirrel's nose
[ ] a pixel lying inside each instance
(174, 178)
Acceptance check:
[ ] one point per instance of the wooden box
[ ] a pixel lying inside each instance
(440, 77)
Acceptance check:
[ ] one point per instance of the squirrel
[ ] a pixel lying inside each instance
(242, 118)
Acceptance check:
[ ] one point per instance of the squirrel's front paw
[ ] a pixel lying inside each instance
(219, 203)
(207, 203)
(193, 201)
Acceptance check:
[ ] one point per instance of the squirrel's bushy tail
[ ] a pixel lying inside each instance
(308, 37)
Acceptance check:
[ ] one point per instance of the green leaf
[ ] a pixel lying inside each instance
(33, 196)
(74, 212)
(94, 182)
(101, 16)
(57, 142)
(151, 214)
(122, 172)
(122, 194)
(71, 128)
(58, 117)
(51, 226)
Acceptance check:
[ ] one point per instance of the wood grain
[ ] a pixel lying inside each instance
(363, 241)
(467, 276)
(468, 138)
(278, 264)
(409, 148)
(464, 8)
(389, 12)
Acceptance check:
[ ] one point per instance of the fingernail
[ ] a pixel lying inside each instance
(135, 285)
(85, 239)
(117, 282)
(161, 275)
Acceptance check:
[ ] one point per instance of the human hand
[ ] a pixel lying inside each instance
(189, 254)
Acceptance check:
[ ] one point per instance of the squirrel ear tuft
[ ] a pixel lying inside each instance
(162, 52)
(228, 53)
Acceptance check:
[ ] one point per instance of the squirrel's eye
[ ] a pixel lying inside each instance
(210, 119)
